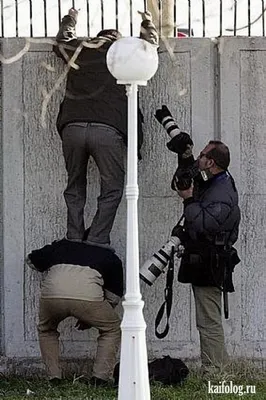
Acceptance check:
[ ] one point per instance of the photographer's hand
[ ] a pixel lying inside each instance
(81, 326)
(186, 194)
(145, 15)
(181, 144)
(73, 13)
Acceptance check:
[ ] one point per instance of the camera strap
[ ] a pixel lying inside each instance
(168, 299)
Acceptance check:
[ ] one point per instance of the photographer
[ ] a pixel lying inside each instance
(92, 122)
(85, 282)
(212, 217)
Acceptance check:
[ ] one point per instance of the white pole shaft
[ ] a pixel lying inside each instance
(133, 376)
(132, 194)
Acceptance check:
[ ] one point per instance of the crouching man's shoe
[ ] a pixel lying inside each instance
(98, 382)
(55, 381)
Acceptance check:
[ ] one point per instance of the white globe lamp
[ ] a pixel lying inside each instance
(132, 60)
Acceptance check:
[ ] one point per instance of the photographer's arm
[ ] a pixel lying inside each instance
(112, 298)
(66, 38)
(67, 31)
(148, 30)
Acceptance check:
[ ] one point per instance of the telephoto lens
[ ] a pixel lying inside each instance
(155, 265)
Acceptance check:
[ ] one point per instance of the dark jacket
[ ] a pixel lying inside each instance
(67, 252)
(212, 220)
(92, 94)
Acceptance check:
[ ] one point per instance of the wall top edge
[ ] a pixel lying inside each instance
(45, 44)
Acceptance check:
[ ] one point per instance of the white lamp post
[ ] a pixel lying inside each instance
(133, 62)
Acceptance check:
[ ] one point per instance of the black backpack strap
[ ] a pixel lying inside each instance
(168, 299)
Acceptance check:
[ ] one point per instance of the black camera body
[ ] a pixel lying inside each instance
(186, 171)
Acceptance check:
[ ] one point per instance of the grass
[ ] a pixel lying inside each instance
(195, 388)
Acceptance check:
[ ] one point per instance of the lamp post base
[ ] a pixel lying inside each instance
(133, 374)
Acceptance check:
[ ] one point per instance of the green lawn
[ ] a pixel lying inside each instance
(195, 388)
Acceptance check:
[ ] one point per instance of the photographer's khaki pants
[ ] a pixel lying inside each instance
(98, 314)
(208, 301)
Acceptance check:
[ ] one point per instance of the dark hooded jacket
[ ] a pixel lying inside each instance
(92, 94)
(212, 220)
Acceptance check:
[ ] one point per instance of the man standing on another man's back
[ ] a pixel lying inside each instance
(93, 122)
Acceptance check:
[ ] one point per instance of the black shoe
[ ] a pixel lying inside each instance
(86, 234)
(98, 382)
(55, 381)
(84, 380)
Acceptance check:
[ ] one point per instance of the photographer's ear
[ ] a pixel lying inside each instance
(210, 163)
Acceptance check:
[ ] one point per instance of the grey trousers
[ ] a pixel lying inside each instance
(80, 141)
(98, 314)
(209, 324)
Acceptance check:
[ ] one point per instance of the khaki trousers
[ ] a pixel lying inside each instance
(98, 314)
(209, 324)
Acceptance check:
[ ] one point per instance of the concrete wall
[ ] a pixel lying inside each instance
(214, 91)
